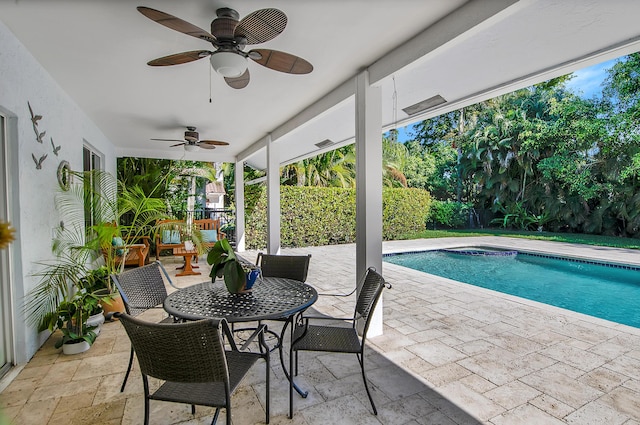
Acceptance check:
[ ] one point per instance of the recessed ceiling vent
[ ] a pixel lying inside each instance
(425, 105)
(324, 143)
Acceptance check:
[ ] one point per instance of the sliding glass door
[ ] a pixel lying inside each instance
(6, 350)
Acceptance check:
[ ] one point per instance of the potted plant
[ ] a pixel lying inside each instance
(71, 318)
(79, 262)
(239, 275)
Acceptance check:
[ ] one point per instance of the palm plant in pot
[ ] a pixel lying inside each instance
(79, 266)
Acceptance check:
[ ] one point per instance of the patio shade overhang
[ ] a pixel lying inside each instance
(463, 51)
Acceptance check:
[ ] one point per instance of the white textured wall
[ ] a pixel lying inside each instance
(31, 197)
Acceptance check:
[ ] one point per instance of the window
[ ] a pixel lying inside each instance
(91, 160)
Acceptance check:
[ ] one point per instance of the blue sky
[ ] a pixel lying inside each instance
(587, 83)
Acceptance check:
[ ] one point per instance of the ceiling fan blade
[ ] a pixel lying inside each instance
(179, 58)
(239, 82)
(261, 25)
(281, 61)
(176, 24)
(169, 140)
(178, 144)
(212, 143)
(205, 146)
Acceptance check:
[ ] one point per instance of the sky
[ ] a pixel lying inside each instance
(586, 83)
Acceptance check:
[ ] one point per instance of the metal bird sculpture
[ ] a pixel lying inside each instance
(39, 161)
(40, 136)
(56, 149)
(34, 118)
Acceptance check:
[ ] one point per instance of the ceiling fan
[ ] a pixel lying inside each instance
(229, 36)
(192, 141)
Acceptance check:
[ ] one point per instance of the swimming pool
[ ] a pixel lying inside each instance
(602, 290)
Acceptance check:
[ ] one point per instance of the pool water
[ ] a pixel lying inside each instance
(606, 291)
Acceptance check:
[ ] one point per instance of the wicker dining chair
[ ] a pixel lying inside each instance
(334, 336)
(142, 289)
(191, 359)
(293, 267)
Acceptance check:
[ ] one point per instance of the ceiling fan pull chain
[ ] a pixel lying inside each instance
(208, 66)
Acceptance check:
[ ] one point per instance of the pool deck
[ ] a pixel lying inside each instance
(451, 353)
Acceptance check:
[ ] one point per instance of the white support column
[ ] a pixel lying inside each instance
(369, 184)
(239, 195)
(273, 197)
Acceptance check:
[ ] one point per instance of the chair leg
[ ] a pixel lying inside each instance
(145, 384)
(215, 416)
(366, 385)
(193, 409)
(268, 379)
(126, 375)
(291, 382)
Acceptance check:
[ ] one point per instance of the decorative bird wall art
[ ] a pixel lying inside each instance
(39, 161)
(55, 148)
(35, 121)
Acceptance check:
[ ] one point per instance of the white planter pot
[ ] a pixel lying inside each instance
(189, 246)
(96, 320)
(75, 348)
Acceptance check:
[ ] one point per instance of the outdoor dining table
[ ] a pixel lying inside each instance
(271, 298)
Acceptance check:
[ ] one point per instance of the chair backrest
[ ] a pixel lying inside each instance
(179, 352)
(370, 292)
(207, 224)
(288, 266)
(141, 288)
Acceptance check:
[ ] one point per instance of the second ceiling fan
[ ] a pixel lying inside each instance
(192, 141)
(229, 36)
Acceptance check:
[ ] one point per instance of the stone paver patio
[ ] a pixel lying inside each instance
(451, 353)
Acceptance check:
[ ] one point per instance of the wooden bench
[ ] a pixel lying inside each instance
(209, 224)
(135, 254)
(180, 226)
(168, 226)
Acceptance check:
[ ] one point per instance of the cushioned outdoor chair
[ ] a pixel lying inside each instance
(141, 289)
(335, 337)
(191, 359)
(293, 267)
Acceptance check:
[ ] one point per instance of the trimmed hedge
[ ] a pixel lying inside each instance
(314, 216)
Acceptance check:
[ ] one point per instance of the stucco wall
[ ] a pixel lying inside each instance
(32, 191)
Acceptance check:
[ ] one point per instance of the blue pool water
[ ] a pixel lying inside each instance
(599, 290)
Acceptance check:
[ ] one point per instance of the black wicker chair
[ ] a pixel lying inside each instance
(294, 267)
(141, 289)
(287, 266)
(332, 337)
(191, 359)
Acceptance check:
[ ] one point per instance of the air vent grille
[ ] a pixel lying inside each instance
(324, 143)
(425, 105)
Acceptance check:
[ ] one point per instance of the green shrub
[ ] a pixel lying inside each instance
(450, 214)
(314, 216)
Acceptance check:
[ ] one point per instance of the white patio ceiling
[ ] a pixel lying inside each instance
(464, 51)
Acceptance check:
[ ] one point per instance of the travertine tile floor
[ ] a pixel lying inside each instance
(451, 353)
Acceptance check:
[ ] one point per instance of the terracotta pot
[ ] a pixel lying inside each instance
(116, 306)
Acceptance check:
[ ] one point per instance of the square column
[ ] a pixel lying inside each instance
(369, 185)
(239, 195)
(273, 197)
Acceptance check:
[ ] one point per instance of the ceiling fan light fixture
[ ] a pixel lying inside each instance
(190, 148)
(228, 64)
